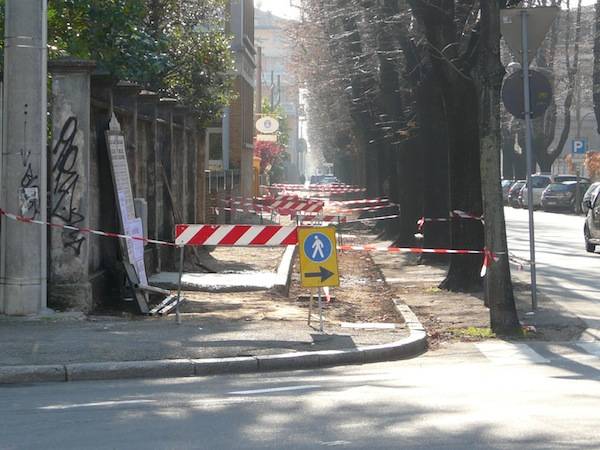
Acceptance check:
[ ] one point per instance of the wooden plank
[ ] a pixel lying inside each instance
(170, 307)
(141, 297)
(162, 304)
(153, 289)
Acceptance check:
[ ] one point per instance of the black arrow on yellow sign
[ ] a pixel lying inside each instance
(323, 273)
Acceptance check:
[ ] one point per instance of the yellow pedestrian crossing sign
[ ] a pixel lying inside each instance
(318, 257)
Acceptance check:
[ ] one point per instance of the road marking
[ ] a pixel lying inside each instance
(90, 405)
(279, 389)
(500, 352)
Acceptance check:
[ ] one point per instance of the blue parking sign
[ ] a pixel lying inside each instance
(579, 146)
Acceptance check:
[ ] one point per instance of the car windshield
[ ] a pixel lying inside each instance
(506, 183)
(539, 182)
(558, 187)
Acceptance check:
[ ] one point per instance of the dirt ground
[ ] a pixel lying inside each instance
(362, 297)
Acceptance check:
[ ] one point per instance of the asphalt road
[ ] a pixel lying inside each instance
(566, 272)
(469, 396)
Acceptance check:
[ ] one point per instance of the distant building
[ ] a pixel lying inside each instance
(230, 146)
(279, 84)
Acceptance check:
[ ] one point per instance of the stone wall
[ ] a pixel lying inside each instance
(165, 156)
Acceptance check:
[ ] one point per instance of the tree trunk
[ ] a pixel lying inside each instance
(489, 73)
(434, 144)
(461, 112)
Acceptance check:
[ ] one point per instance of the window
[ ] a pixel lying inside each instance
(214, 149)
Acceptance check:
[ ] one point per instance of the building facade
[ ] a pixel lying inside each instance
(279, 84)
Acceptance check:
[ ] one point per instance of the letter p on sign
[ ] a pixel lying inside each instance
(579, 146)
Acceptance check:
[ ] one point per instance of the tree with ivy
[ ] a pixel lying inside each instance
(176, 47)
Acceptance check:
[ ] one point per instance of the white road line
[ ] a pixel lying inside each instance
(279, 389)
(90, 405)
(500, 352)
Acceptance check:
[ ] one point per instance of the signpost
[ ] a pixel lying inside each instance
(524, 30)
(579, 146)
(318, 262)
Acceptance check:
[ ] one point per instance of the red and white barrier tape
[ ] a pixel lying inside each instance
(456, 214)
(488, 257)
(371, 219)
(367, 208)
(83, 230)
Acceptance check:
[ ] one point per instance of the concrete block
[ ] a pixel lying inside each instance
(283, 278)
(130, 369)
(31, 374)
(288, 361)
(213, 366)
(329, 358)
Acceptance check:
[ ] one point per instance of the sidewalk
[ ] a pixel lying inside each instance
(221, 332)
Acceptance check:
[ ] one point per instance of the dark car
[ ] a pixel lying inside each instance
(506, 185)
(513, 193)
(563, 195)
(562, 178)
(324, 179)
(590, 196)
(591, 229)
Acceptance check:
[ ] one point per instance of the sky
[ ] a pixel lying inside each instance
(280, 8)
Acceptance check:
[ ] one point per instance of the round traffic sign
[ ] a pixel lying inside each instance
(317, 247)
(540, 93)
(267, 125)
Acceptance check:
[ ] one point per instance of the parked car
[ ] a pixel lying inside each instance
(539, 183)
(563, 195)
(566, 177)
(506, 185)
(591, 229)
(324, 179)
(513, 193)
(590, 195)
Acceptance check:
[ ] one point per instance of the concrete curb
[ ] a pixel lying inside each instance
(283, 278)
(413, 345)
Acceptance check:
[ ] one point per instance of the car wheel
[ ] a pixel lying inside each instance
(589, 247)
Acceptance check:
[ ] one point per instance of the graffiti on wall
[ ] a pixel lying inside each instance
(28, 189)
(65, 183)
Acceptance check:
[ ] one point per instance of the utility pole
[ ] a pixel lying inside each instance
(529, 154)
(259, 80)
(23, 257)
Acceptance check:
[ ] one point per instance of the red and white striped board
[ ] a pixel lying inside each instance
(298, 205)
(236, 235)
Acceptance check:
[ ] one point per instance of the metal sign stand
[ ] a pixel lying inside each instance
(529, 151)
(177, 315)
(320, 303)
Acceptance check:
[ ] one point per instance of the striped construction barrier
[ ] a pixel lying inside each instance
(236, 235)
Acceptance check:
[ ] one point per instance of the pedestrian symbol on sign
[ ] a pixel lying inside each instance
(317, 247)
